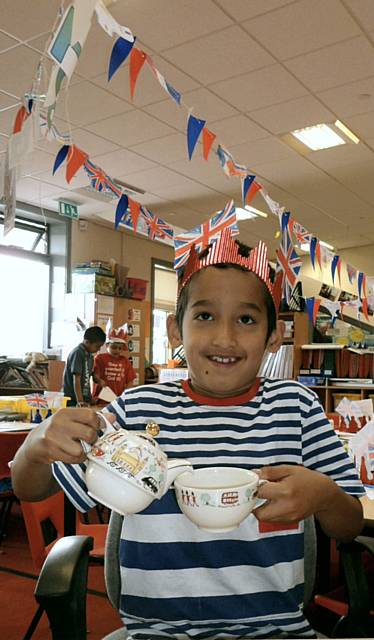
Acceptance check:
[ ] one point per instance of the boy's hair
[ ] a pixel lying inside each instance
(244, 251)
(95, 334)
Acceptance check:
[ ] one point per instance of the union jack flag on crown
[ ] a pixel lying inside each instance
(205, 233)
(288, 263)
(99, 180)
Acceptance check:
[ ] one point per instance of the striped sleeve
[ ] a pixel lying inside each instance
(323, 451)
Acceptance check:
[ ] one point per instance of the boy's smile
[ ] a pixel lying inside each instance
(224, 331)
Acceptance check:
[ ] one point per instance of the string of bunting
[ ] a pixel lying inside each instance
(32, 120)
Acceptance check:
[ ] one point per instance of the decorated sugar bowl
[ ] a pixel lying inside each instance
(127, 470)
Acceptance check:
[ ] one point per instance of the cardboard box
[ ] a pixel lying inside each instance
(93, 283)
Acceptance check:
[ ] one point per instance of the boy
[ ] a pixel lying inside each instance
(179, 581)
(113, 368)
(79, 368)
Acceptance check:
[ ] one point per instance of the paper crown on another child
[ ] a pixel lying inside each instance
(117, 335)
(226, 251)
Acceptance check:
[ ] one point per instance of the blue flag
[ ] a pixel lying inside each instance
(120, 51)
(122, 205)
(194, 128)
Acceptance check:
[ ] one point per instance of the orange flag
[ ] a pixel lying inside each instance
(135, 212)
(20, 118)
(76, 158)
(137, 59)
(365, 310)
(255, 186)
(208, 139)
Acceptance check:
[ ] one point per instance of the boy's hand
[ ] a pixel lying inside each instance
(58, 437)
(294, 493)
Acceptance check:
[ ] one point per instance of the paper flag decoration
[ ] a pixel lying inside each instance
(173, 93)
(352, 273)
(224, 158)
(135, 212)
(302, 235)
(75, 159)
(361, 281)
(336, 264)
(109, 24)
(312, 307)
(20, 118)
(99, 180)
(288, 262)
(278, 288)
(194, 128)
(205, 233)
(315, 252)
(284, 221)
(208, 139)
(254, 187)
(137, 60)
(365, 308)
(274, 206)
(246, 183)
(120, 51)
(121, 209)
(61, 155)
(36, 400)
(156, 226)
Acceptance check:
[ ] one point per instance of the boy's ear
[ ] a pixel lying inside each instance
(174, 335)
(276, 338)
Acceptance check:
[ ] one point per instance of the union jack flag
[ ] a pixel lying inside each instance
(301, 234)
(157, 228)
(99, 180)
(288, 263)
(205, 233)
(36, 400)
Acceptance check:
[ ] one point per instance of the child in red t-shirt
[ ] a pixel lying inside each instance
(114, 367)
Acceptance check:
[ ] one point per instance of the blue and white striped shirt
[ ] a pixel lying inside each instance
(181, 582)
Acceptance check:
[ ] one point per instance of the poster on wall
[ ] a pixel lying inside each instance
(134, 315)
(328, 292)
(134, 360)
(133, 330)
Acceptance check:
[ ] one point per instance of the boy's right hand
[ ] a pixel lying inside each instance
(58, 437)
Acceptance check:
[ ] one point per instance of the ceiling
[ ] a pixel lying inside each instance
(254, 69)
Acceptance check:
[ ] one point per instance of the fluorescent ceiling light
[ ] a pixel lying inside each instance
(347, 131)
(321, 136)
(248, 213)
(305, 246)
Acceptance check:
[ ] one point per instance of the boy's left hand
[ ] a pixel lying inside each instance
(294, 493)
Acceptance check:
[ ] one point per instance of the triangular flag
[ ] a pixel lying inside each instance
(137, 59)
(194, 128)
(76, 158)
(352, 273)
(278, 289)
(61, 155)
(173, 93)
(208, 139)
(365, 311)
(120, 51)
(246, 183)
(361, 280)
(255, 186)
(20, 118)
(135, 212)
(284, 220)
(315, 252)
(121, 209)
(312, 307)
(274, 206)
(334, 264)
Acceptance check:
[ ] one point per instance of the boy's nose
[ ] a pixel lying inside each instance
(225, 335)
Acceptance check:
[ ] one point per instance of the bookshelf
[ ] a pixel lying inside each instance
(298, 332)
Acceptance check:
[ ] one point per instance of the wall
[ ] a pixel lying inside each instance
(361, 257)
(102, 242)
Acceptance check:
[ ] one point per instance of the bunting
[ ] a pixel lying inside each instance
(121, 49)
(312, 307)
(315, 252)
(208, 139)
(289, 263)
(137, 60)
(194, 128)
(336, 264)
(99, 180)
(361, 282)
(352, 273)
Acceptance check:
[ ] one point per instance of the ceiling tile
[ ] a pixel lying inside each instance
(236, 130)
(242, 9)
(148, 89)
(208, 173)
(302, 26)
(160, 177)
(350, 99)
(33, 190)
(293, 114)
(344, 154)
(3, 142)
(259, 88)
(36, 162)
(363, 10)
(204, 103)
(122, 162)
(6, 42)
(338, 64)
(130, 128)
(7, 101)
(362, 125)
(58, 181)
(215, 57)
(7, 117)
(164, 150)
(40, 18)
(88, 103)
(358, 177)
(95, 55)
(94, 145)
(166, 23)
(253, 154)
(17, 68)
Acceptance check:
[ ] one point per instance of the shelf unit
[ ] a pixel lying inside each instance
(301, 334)
(325, 393)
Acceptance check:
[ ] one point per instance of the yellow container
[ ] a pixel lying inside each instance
(24, 407)
(337, 397)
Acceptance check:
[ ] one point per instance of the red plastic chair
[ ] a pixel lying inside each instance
(9, 444)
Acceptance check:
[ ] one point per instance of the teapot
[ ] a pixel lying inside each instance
(127, 470)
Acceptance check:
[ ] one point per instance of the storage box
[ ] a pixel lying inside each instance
(91, 282)
(135, 288)
(337, 397)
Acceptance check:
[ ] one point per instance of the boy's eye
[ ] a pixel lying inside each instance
(246, 319)
(204, 315)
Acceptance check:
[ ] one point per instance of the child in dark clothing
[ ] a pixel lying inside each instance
(79, 368)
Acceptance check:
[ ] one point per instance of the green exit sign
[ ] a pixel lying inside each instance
(68, 209)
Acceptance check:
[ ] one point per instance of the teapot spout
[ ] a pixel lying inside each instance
(175, 468)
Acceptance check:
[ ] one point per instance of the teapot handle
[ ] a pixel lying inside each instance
(105, 427)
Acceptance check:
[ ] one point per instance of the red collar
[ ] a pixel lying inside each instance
(223, 402)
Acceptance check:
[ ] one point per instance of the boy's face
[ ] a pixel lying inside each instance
(224, 331)
(93, 347)
(115, 349)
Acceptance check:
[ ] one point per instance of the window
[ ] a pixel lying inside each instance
(164, 291)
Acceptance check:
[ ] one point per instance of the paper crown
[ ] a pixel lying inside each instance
(226, 251)
(117, 335)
